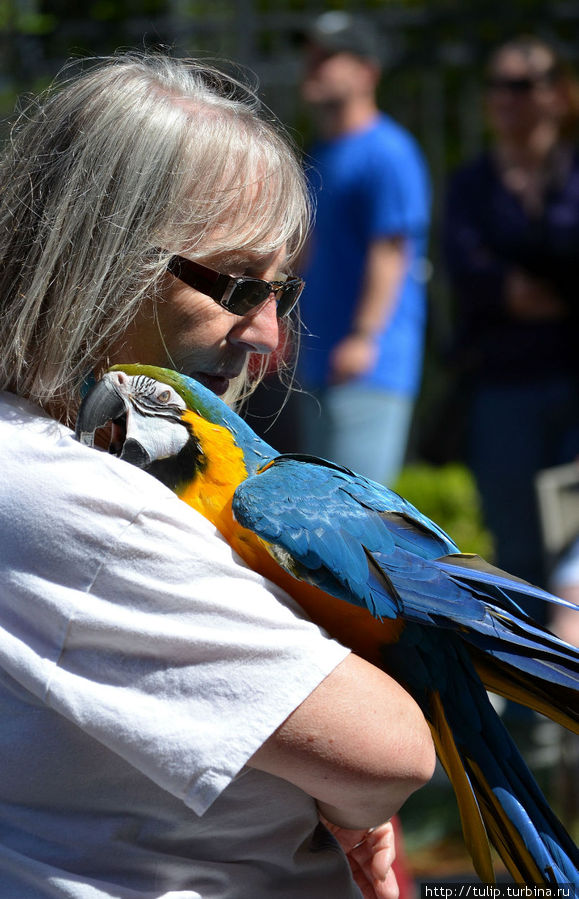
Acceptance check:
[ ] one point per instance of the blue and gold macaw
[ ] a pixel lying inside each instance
(383, 579)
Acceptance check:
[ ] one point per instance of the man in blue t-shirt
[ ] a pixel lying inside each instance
(364, 303)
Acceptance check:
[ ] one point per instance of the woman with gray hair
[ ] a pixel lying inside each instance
(172, 724)
(104, 182)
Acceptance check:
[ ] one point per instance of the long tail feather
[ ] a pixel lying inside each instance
(530, 840)
(473, 826)
(498, 798)
(517, 858)
(554, 701)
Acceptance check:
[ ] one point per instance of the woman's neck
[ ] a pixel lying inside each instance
(531, 151)
(527, 167)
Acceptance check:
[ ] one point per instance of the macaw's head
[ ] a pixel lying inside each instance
(169, 425)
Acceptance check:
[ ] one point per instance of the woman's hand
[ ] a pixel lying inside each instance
(531, 299)
(370, 854)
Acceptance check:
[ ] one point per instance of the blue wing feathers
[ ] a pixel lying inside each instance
(338, 519)
(500, 582)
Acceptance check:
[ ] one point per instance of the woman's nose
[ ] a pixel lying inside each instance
(258, 330)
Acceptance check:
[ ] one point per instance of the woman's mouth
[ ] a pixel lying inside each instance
(218, 384)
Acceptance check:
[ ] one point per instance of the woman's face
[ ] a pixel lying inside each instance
(191, 333)
(520, 94)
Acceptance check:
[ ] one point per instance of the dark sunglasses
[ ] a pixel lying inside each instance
(237, 295)
(516, 85)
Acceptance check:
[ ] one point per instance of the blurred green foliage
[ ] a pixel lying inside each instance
(448, 495)
(16, 18)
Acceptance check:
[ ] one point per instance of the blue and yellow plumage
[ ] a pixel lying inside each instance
(442, 623)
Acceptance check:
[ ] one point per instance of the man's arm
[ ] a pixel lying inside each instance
(385, 266)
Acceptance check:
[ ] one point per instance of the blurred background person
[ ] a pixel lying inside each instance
(511, 239)
(564, 581)
(363, 307)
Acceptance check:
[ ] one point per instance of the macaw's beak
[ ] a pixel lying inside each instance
(108, 406)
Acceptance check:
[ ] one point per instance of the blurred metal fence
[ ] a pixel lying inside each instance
(432, 51)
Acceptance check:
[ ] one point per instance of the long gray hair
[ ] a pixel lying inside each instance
(139, 157)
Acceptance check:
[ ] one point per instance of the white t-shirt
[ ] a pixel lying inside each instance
(141, 665)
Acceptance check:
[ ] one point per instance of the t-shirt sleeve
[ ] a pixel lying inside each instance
(396, 190)
(135, 620)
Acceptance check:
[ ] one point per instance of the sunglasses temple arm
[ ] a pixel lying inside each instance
(213, 284)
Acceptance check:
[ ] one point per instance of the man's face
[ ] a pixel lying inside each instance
(333, 79)
(191, 333)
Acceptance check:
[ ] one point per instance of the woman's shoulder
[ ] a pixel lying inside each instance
(42, 452)
(61, 497)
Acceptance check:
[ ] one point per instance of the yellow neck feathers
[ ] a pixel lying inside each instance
(212, 489)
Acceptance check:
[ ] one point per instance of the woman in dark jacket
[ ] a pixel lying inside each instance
(512, 253)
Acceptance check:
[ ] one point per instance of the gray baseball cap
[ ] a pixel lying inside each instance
(341, 32)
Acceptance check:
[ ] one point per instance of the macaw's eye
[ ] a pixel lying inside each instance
(164, 396)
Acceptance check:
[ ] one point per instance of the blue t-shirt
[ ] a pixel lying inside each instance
(369, 184)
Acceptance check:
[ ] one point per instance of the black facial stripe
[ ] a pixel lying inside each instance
(144, 398)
